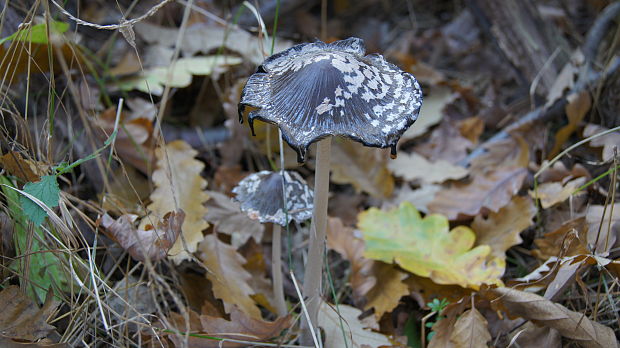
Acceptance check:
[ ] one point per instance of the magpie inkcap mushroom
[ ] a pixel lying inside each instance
(260, 195)
(315, 90)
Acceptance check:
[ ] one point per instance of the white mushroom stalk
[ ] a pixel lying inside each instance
(316, 90)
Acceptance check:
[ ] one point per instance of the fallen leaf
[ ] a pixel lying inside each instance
(152, 243)
(431, 112)
(576, 109)
(177, 74)
(20, 318)
(470, 330)
(242, 327)
(510, 153)
(335, 320)
(229, 279)
(471, 128)
(552, 193)
(427, 247)
(445, 143)
(133, 299)
(415, 167)
(179, 185)
(420, 197)
(389, 288)
(572, 325)
(607, 142)
(363, 167)
(227, 217)
(501, 230)
(126, 192)
(25, 169)
(444, 328)
(492, 192)
(343, 240)
(568, 240)
(603, 230)
(531, 335)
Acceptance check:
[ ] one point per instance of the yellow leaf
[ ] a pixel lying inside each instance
(427, 247)
(179, 186)
(386, 295)
(229, 279)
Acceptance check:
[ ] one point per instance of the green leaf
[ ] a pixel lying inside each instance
(427, 247)
(37, 33)
(44, 266)
(45, 190)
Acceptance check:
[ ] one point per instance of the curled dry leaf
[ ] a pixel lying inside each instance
(227, 217)
(470, 330)
(552, 193)
(21, 319)
(572, 325)
(151, 242)
(334, 320)
(604, 230)
(242, 327)
(491, 192)
(607, 142)
(427, 247)
(415, 167)
(179, 185)
(363, 167)
(568, 240)
(501, 230)
(229, 279)
(24, 169)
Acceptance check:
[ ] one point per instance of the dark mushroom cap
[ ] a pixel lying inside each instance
(315, 90)
(260, 195)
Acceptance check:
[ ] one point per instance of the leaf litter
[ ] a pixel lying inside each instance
(143, 245)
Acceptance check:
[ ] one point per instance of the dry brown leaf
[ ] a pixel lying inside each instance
(445, 143)
(558, 172)
(256, 265)
(415, 167)
(492, 191)
(471, 128)
(470, 330)
(179, 185)
(425, 290)
(242, 327)
(609, 222)
(431, 112)
(151, 243)
(444, 328)
(126, 192)
(21, 319)
(512, 152)
(363, 167)
(568, 240)
(355, 334)
(26, 170)
(570, 324)
(343, 240)
(227, 217)
(229, 279)
(535, 336)
(552, 193)
(607, 142)
(420, 198)
(386, 294)
(501, 230)
(578, 106)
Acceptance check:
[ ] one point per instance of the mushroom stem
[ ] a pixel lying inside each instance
(276, 270)
(314, 266)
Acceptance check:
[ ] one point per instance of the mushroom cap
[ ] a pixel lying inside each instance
(260, 196)
(315, 90)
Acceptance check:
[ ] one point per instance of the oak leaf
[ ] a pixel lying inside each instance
(335, 320)
(415, 167)
(552, 193)
(491, 192)
(179, 185)
(227, 217)
(502, 230)
(386, 294)
(20, 318)
(427, 247)
(230, 281)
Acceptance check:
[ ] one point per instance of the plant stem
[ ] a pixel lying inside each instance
(314, 266)
(276, 270)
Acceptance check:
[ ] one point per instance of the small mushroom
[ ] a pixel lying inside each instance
(316, 90)
(262, 196)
